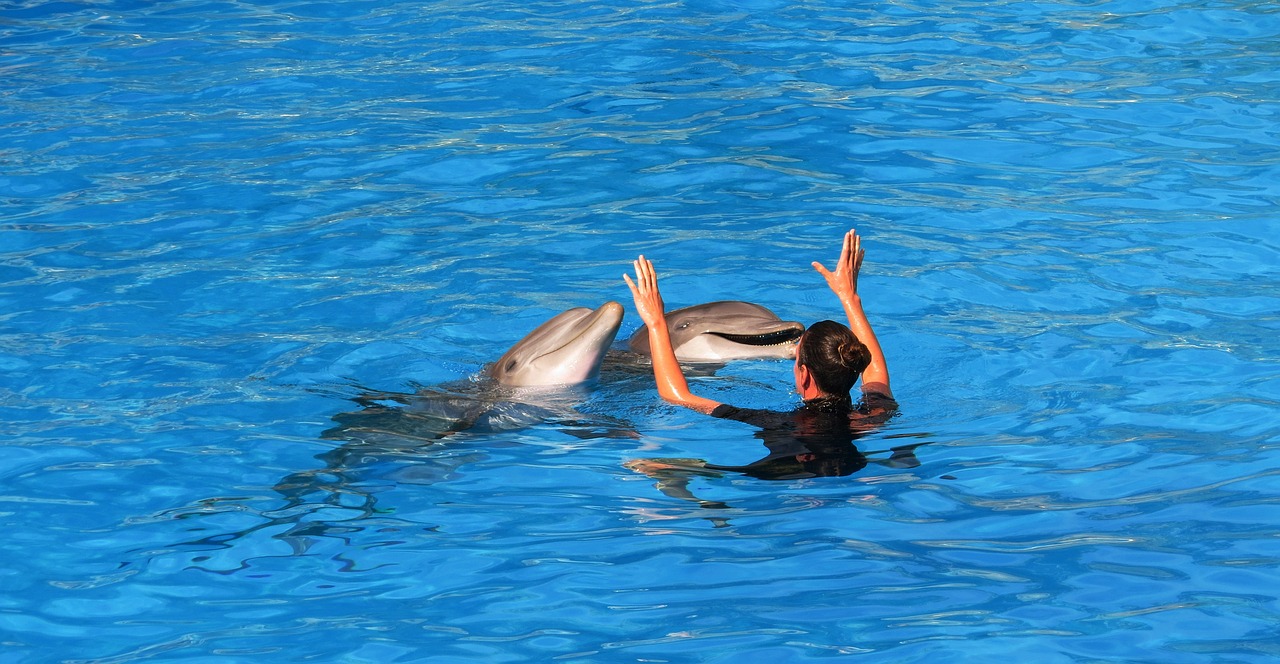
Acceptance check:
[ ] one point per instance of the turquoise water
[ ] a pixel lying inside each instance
(221, 221)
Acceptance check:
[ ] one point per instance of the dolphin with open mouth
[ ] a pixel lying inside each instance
(727, 330)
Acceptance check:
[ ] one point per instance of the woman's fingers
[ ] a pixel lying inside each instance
(644, 274)
(644, 288)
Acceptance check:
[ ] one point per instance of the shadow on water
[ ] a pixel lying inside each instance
(817, 440)
(423, 437)
(791, 462)
(393, 440)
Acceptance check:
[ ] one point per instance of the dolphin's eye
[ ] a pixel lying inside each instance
(511, 364)
(682, 326)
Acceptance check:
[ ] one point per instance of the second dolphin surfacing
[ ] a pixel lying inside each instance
(725, 330)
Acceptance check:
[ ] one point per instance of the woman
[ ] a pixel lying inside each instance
(816, 438)
(829, 358)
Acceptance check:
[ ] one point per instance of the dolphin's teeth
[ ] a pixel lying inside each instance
(771, 339)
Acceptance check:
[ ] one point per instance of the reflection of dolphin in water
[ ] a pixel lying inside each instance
(535, 381)
(729, 330)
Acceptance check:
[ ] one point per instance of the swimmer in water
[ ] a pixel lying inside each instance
(815, 439)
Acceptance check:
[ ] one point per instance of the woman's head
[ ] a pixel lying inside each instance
(832, 356)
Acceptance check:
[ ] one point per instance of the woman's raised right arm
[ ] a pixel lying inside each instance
(667, 373)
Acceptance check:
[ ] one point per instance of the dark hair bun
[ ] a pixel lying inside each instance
(834, 356)
(855, 355)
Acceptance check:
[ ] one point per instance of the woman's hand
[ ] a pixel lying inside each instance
(844, 281)
(645, 292)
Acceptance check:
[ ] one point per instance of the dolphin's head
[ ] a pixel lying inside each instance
(565, 350)
(719, 331)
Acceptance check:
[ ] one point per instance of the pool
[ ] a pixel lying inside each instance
(223, 222)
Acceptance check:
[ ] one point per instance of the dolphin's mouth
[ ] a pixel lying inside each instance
(768, 339)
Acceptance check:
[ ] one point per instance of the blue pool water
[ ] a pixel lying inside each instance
(220, 221)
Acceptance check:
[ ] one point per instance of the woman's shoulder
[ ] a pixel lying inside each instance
(760, 417)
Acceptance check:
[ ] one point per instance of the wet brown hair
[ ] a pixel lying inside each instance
(834, 356)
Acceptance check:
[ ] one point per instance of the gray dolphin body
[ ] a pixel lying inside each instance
(728, 330)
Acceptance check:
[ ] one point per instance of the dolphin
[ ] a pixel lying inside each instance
(566, 350)
(728, 330)
(540, 374)
(392, 437)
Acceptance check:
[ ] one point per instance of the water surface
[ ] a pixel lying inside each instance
(220, 221)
